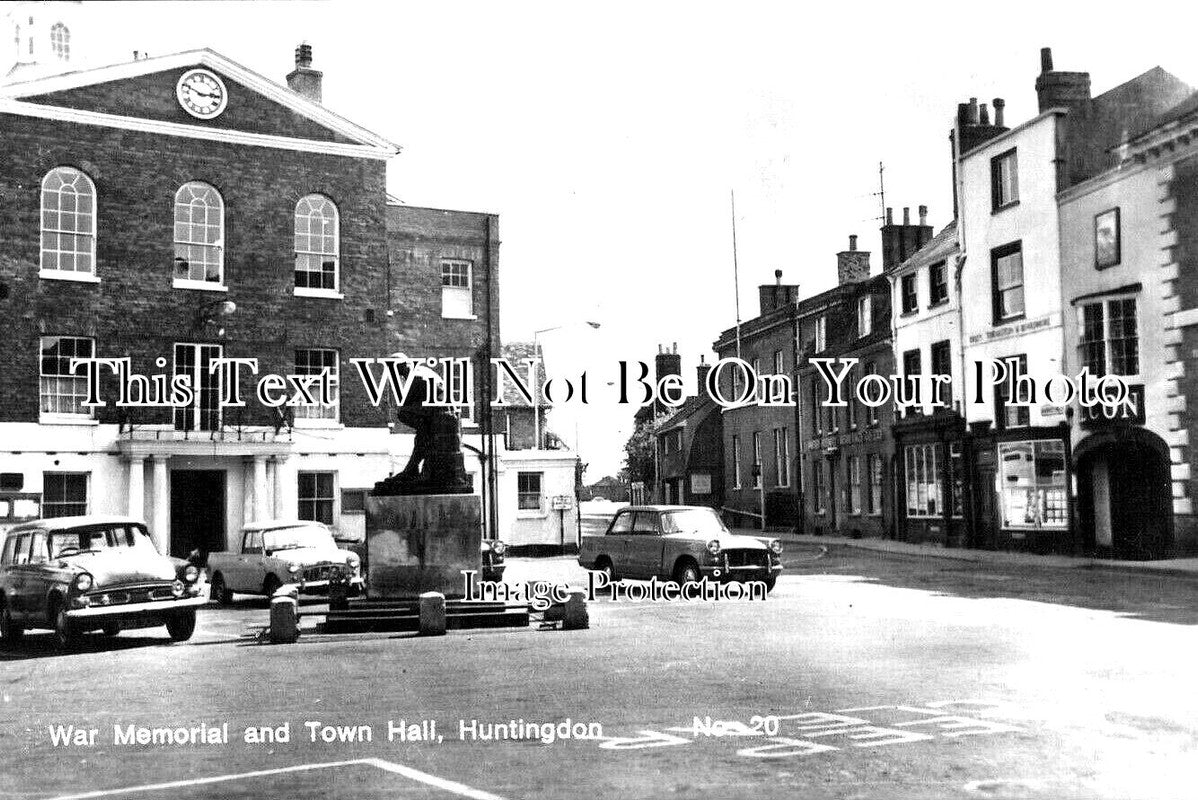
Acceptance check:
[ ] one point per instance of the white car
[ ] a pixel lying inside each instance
(278, 552)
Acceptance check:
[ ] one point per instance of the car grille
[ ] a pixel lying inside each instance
(322, 573)
(141, 594)
(747, 558)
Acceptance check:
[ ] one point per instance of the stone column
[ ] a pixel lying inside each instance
(286, 499)
(261, 509)
(136, 507)
(162, 518)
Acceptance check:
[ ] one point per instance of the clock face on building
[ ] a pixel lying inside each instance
(202, 94)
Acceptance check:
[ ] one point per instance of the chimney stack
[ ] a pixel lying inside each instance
(775, 295)
(303, 79)
(999, 105)
(1054, 89)
(701, 374)
(852, 265)
(985, 115)
(899, 242)
(666, 363)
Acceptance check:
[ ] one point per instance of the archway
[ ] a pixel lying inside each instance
(1125, 506)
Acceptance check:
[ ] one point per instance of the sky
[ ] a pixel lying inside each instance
(609, 137)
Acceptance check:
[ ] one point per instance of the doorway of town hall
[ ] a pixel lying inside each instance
(197, 511)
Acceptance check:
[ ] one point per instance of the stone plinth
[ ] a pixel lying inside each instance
(421, 543)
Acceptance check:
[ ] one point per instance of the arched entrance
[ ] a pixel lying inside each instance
(1124, 492)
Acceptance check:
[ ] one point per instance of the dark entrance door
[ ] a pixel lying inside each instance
(197, 511)
(986, 523)
(1126, 501)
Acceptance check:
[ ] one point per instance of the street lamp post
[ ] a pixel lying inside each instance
(536, 404)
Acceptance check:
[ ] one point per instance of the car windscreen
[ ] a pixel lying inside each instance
(293, 538)
(699, 521)
(95, 538)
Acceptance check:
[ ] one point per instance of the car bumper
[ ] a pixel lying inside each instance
(136, 609)
(722, 572)
(322, 587)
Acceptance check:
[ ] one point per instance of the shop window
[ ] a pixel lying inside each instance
(956, 475)
(923, 481)
(854, 484)
(1033, 485)
(875, 485)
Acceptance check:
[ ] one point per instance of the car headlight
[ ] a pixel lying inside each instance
(293, 568)
(177, 588)
(497, 547)
(776, 547)
(352, 563)
(83, 582)
(191, 574)
(713, 547)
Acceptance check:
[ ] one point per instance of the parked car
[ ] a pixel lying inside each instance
(75, 574)
(684, 543)
(493, 566)
(276, 552)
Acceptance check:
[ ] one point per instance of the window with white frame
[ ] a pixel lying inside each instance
(864, 316)
(315, 361)
(1004, 180)
(528, 491)
(1007, 273)
(62, 390)
(854, 484)
(1110, 341)
(199, 235)
(923, 481)
(317, 243)
(64, 494)
(782, 456)
(736, 484)
(821, 334)
(60, 41)
(317, 493)
(68, 222)
(457, 300)
(756, 459)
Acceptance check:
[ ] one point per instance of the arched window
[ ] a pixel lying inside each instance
(199, 234)
(68, 222)
(60, 41)
(316, 243)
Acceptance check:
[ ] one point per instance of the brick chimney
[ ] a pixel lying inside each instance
(777, 294)
(701, 374)
(1061, 89)
(852, 265)
(974, 128)
(303, 78)
(667, 362)
(899, 242)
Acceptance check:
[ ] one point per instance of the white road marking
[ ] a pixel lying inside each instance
(387, 766)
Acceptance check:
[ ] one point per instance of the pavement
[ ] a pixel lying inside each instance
(1174, 566)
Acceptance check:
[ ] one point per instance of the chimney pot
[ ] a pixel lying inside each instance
(303, 55)
(1045, 59)
(985, 114)
(675, 350)
(907, 215)
(890, 216)
(852, 241)
(999, 104)
(303, 79)
(973, 111)
(923, 215)
(778, 277)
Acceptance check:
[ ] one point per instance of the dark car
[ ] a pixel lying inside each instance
(75, 574)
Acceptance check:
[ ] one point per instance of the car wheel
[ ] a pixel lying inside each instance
(769, 582)
(181, 626)
(221, 592)
(271, 585)
(66, 636)
(687, 572)
(111, 629)
(10, 629)
(604, 565)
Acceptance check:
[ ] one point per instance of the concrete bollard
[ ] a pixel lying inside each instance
(432, 614)
(575, 617)
(284, 619)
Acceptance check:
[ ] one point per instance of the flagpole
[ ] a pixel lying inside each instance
(735, 272)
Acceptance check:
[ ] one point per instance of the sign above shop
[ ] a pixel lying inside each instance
(1130, 412)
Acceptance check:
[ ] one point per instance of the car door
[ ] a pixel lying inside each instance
(615, 543)
(38, 576)
(249, 564)
(18, 578)
(645, 544)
